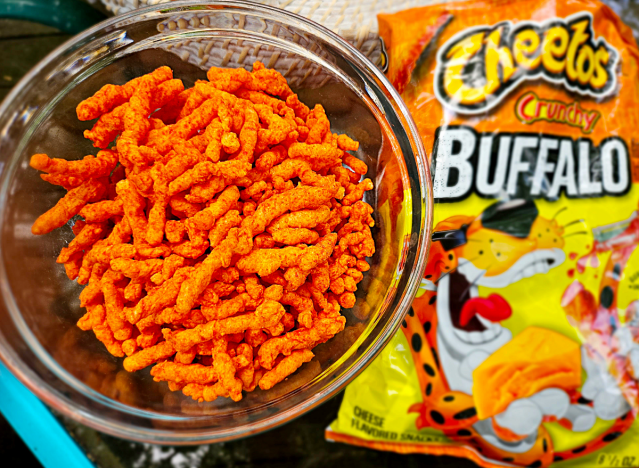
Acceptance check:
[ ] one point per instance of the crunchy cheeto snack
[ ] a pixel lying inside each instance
(204, 228)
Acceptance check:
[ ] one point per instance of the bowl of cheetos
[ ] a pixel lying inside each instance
(207, 230)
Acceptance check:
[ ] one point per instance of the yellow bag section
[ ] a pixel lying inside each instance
(376, 403)
(390, 385)
(387, 388)
(396, 402)
(534, 360)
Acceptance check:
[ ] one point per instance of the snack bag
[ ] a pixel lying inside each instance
(522, 345)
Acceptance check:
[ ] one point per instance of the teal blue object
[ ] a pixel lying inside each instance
(37, 427)
(69, 16)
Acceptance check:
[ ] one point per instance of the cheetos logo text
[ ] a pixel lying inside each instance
(478, 67)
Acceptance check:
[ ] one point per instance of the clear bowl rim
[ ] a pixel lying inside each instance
(165, 435)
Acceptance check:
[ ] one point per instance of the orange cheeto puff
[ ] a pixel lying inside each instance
(201, 172)
(244, 355)
(222, 226)
(110, 96)
(288, 321)
(259, 97)
(357, 192)
(163, 297)
(183, 208)
(294, 236)
(165, 93)
(134, 205)
(286, 367)
(89, 235)
(266, 261)
(85, 322)
(133, 292)
(105, 99)
(346, 143)
(321, 331)
(301, 110)
(148, 251)
(175, 231)
(358, 166)
(230, 142)
(130, 139)
(129, 346)
(255, 338)
(105, 253)
(229, 80)
(205, 91)
(270, 158)
(205, 191)
(302, 305)
(206, 218)
(92, 293)
(300, 219)
(148, 356)
(114, 303)
(69, 206)
(157, 219)
(292, 168)
(169, 266)
(277, 129)
(320, 277)
(255, 190)
(112, 123)
(320, 125)
(293, 200)
(254, 287)
(263, 241)
(200, 118)
(102, 331)
(107, 127)
(227, 308)
(136, 269)
(219, 257)
(149, 337)
(270, 81)
(191, 373)
(195, 246)
(319, 156)
(73, 264)
(268, 314)
(205, 392)
(63, 180)
(248, 135)
(170, 112)
(226, 275)
(213, 135)
(102, 211)
(206, 169)
(318, 253)
(225, 370)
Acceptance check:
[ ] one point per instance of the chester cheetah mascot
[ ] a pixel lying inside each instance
(455, 329)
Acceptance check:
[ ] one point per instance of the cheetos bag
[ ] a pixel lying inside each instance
(522, 344)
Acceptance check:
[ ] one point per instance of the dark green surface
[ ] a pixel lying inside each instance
(22, 45)
(70, 16)
(297, 444)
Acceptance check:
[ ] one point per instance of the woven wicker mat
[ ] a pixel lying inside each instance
(354, 20)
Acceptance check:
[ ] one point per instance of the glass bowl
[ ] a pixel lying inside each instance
(69, 369)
